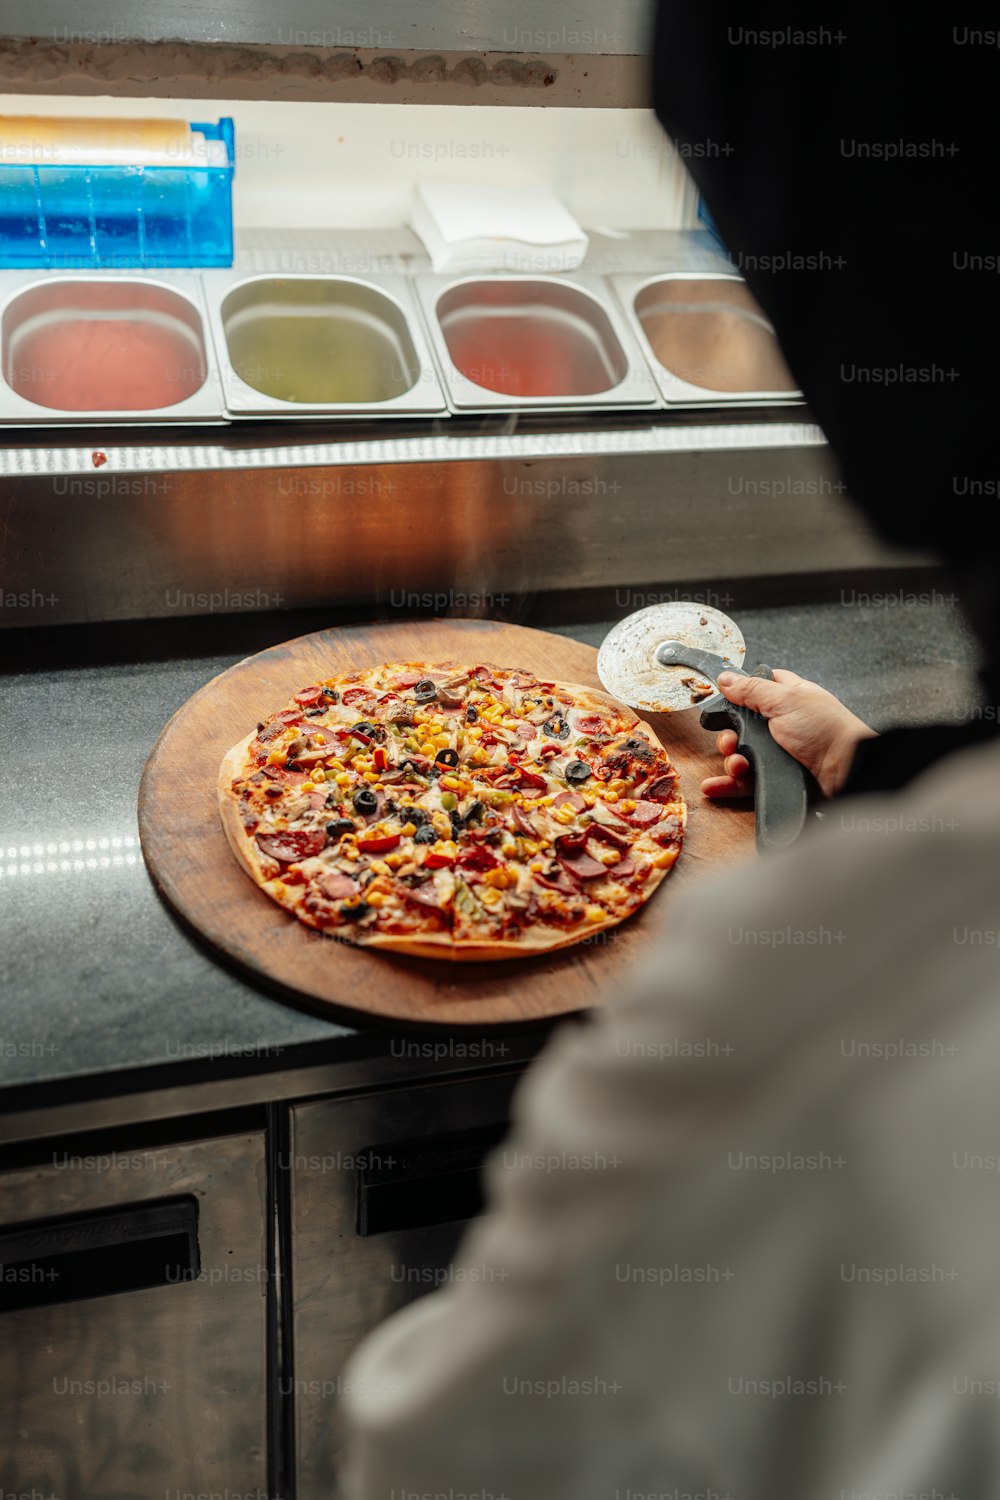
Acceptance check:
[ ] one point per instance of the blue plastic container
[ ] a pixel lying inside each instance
(110, 217)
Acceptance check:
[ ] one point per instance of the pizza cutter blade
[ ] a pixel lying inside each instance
(667, 658)
(627, 663)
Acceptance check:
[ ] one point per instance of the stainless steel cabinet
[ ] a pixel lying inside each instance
(133, 1287)
(381, 1189)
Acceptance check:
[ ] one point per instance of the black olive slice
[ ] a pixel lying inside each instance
(332, 694)
(471, 714)
(425, 690)
(447, 757)
(338, 828)
(577, 771)
(355, 913)
(365, 800)
(556, 727)
(425, 834)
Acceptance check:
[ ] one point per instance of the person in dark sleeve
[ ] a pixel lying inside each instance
(742, 1239)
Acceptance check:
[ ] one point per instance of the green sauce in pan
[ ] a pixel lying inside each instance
(319, 342)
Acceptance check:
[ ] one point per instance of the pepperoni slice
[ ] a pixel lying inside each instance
(570, 799)
(337, 886)
(591, 724)
(625, 866)
(310, 696)
(669, 831)
(556, 880)
(619, 838)
(645, 813)
(524, 825)
(571, 852)
(291, 846)
(426, 896)
(283, 775)
(663, 789)
(406, 680)
(356, 695)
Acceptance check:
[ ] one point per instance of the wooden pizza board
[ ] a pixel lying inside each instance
(194, 869)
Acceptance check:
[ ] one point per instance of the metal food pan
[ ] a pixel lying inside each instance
(514, 343)
(706, 339)
(320, 345)
(88, 347)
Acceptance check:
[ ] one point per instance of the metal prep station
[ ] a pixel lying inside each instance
(238, 1187)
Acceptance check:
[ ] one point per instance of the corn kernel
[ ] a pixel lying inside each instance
(611, 796)
(589, 798)
(536, 865)
(531, 846)
(627, 805)
(490, 897)
(343, 779)
(281, 824)
(441, 741)
(617, 784)
(509, 848)
(595, 913)
(665, 860)
(371, 776)
(380, 867)
(394, 860)
(428, 748)
(408, 830)
(451, 783)
(276, 758)
(318, 775)
(374, 898)
(565, 815)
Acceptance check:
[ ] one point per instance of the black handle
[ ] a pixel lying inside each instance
(781, 797)
(413, 1185)
(100, 1254)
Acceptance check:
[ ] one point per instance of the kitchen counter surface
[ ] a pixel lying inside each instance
(99, 979)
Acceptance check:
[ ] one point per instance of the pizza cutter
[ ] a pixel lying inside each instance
(666, 659)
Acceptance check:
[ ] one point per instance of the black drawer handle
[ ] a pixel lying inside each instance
(98, 1254)
(413, 1185)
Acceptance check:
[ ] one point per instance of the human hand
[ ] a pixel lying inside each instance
(807, 721)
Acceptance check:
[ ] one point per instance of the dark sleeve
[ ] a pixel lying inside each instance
(893, 759)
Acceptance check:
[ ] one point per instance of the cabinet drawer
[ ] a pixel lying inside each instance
(382, 1188)
(133, 1323)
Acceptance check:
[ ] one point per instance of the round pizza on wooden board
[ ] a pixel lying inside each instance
(444, 839)
(467, 812)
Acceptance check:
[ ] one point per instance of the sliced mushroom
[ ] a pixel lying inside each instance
(454, 691)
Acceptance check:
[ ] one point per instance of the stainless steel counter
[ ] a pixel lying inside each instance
(103, 992)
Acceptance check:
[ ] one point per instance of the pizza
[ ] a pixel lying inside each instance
(453, 812)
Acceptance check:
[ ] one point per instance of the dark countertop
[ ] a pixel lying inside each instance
(97, 976)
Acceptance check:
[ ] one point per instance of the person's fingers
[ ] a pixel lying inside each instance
(726, 741)
(786, 678)
(720, 787)
(759, 693)
(737, 766)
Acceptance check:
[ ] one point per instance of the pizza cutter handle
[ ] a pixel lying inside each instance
(781, 784)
